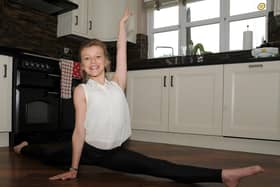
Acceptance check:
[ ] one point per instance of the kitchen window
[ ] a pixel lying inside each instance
(166, 32)
(176, 26)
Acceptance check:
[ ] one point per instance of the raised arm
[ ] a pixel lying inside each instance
(121, 65)
(78, 136)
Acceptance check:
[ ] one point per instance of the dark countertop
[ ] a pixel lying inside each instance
(207, 59)
(10, 51)
(177, 61)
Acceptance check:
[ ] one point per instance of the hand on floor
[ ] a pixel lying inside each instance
(65, 176)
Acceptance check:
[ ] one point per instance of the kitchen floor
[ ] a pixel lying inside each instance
(17, 170)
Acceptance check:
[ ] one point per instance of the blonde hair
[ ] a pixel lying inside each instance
(90, 43)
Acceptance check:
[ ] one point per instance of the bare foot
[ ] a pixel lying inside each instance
(18, 147)
(232, 177)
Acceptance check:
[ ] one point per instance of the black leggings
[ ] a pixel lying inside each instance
(122, 159)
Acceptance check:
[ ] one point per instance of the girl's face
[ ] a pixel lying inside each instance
(93, 61)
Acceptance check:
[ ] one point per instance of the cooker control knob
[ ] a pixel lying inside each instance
(26, 63)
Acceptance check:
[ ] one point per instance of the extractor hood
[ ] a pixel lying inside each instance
(51, 7)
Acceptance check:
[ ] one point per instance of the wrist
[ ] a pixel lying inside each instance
(122, 23)
(73, 169)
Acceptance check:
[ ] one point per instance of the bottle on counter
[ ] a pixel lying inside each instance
(189, 48)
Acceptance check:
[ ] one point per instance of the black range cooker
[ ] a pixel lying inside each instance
(38, 110)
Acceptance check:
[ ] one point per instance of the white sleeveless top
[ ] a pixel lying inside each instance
(107, 120)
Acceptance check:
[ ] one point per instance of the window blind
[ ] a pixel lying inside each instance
(158, 4)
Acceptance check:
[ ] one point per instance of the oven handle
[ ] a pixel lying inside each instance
(53, 75)
(53, 93)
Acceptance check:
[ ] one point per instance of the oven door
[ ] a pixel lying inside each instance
(38, 110)
(38, 79)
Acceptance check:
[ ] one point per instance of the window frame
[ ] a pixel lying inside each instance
(224, 22)
(151, 31)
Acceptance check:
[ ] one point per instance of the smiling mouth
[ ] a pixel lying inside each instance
(93, 67)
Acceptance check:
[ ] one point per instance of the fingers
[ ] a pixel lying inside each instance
(54, 177)
(126, 15)
(58, 177)
(64, 176)
(126, 12)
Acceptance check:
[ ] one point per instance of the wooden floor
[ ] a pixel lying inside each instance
(18, 171)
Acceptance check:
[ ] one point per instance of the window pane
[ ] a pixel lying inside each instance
(201, 10)
(246, 6)
(166, 44)
(166, 17)
(257, 25)
(208, 36)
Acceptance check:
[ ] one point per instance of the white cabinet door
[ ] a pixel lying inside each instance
(195, 100)
(91, 18)
(98, 19)
(74, 22)
(184, 100)
(6, 66)
(252, 100)
(276, 7)
(106, 16)
(80, 18)
(147, 95)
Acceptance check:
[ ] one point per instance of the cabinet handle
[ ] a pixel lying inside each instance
(5, 71)
(90, 25)
(255, 65)
(171, 81)
(164, 81)
(77, 20)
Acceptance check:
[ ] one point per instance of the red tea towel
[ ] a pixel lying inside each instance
(76, 70)
(66, 67)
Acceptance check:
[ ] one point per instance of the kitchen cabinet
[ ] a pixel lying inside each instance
(183, 100)
(276, 7)
(231, 107)
(76, 22)
(98, 19)
(147, 95)
(107, 16)
(252, 100)
(6, 66)
(195, 100)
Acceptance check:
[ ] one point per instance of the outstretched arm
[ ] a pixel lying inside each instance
(121, 67)
(78, 135)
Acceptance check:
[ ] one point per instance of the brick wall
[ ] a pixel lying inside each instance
(31, 30)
